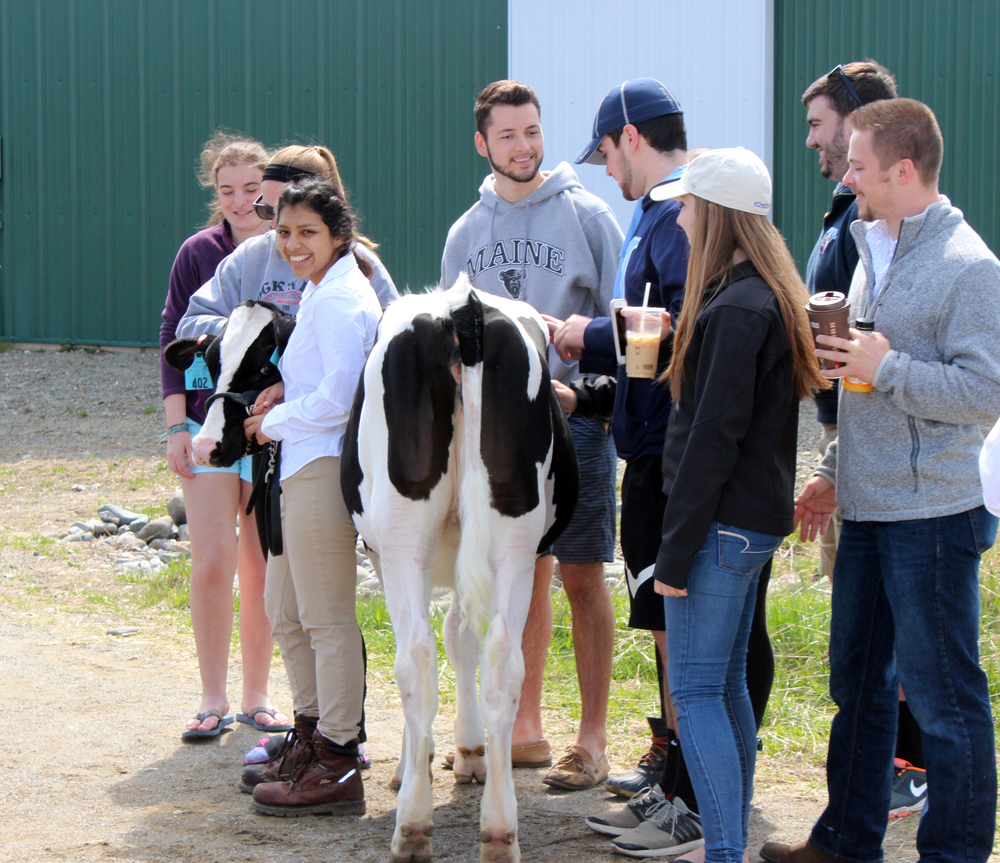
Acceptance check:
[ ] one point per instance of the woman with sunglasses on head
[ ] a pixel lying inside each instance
(215, 497)
(742, 360)
(310, 588)
(257, 271)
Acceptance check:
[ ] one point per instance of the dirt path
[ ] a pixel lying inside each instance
(94, 769)
(104, 775)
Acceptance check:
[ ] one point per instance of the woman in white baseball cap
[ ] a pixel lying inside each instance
(743, 358)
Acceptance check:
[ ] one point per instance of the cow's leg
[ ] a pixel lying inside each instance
(502, 672)
(463, 645)
(407, 591)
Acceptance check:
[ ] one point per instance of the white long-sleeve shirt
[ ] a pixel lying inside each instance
(322, 364)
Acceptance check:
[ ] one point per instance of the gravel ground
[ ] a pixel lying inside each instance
(76, 404)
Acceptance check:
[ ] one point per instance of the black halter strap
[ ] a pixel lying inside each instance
(245, 399)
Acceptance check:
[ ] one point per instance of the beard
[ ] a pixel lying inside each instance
(525, 175)
(627, 181)
(835, 156)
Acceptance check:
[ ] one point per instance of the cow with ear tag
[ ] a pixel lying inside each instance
(458, 468)
(243, 361)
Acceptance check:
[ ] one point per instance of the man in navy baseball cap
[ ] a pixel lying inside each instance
(629, 103)
(640, 140)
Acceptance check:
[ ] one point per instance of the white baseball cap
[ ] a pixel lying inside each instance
(730, 176)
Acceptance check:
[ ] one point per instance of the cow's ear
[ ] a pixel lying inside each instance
(180, 353)
(283, 326)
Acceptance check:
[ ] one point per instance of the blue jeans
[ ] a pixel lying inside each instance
(910, 589)
(707, 633)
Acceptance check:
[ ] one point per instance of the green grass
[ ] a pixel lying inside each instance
(169, 586)
(800, 709)
(6, 346)
(149, 409)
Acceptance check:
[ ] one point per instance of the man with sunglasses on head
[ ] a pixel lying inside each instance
(829, 102)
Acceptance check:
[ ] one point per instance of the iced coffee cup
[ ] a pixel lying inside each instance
(828, 313)
(642, 333)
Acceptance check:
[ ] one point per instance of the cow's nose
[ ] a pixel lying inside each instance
(203, 448)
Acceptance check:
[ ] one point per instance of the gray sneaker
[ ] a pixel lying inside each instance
(669, 830)
(631, 815)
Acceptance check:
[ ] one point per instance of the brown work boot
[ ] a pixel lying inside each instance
(294, 752)
(330, 783)
(802, 852)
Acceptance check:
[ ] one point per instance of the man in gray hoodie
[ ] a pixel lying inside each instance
(540, 237)
(904, 471)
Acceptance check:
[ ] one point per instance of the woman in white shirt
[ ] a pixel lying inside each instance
(309, 591)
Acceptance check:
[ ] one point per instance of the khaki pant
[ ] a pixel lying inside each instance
(309, 596)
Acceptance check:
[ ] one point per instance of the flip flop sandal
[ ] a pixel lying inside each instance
(248, 719)
(194, 733)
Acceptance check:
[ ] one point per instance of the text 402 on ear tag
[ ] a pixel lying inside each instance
(197, 376)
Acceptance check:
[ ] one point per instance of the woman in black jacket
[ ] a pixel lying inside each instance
(743, 358)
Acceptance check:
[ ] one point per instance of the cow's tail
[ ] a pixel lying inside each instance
(473, 574)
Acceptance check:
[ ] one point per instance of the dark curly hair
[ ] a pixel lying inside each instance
(324, 199)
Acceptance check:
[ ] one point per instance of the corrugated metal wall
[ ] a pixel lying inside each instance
(715, 56)
(944, 54)
(104, 106)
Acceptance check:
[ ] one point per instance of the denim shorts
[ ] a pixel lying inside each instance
(242, 467)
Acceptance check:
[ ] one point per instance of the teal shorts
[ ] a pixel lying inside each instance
(242, 467)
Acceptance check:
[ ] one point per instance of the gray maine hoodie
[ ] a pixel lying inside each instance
(909, 449)
(256, 271)
(557, 250)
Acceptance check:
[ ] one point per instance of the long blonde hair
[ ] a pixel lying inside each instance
(321, 163)
(221, 150)
(717, 233)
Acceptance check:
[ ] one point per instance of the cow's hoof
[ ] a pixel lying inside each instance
(470, 765)
(499, 846)
(411, 843)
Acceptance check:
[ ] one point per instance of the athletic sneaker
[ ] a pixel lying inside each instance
(909, 789)
(631, 815)
(650, 767)
(668, 831)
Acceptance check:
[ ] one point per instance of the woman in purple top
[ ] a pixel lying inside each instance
(215, 497)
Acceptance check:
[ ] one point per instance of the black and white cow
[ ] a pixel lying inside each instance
(241, 362)
(458, 459)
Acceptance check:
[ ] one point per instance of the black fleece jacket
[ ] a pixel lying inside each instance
(729, 453)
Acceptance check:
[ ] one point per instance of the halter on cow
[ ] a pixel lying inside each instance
(454, 419)
(240, 362)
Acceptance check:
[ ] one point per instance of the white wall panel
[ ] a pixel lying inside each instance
(716, 56)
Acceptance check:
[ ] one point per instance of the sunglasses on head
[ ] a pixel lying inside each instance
(264, 211)
(839, 70)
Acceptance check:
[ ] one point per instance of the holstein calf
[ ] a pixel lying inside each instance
(458, 459)
(240, 360)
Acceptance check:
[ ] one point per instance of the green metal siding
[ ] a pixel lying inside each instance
(944, 54)
(104, 106)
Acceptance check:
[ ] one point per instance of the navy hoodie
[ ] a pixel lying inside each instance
(658, 254)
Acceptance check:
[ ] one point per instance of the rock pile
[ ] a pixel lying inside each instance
(146, 544)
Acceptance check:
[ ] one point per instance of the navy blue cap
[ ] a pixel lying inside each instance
(631, 102)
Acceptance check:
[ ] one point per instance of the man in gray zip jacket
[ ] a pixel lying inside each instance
(904, 471)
